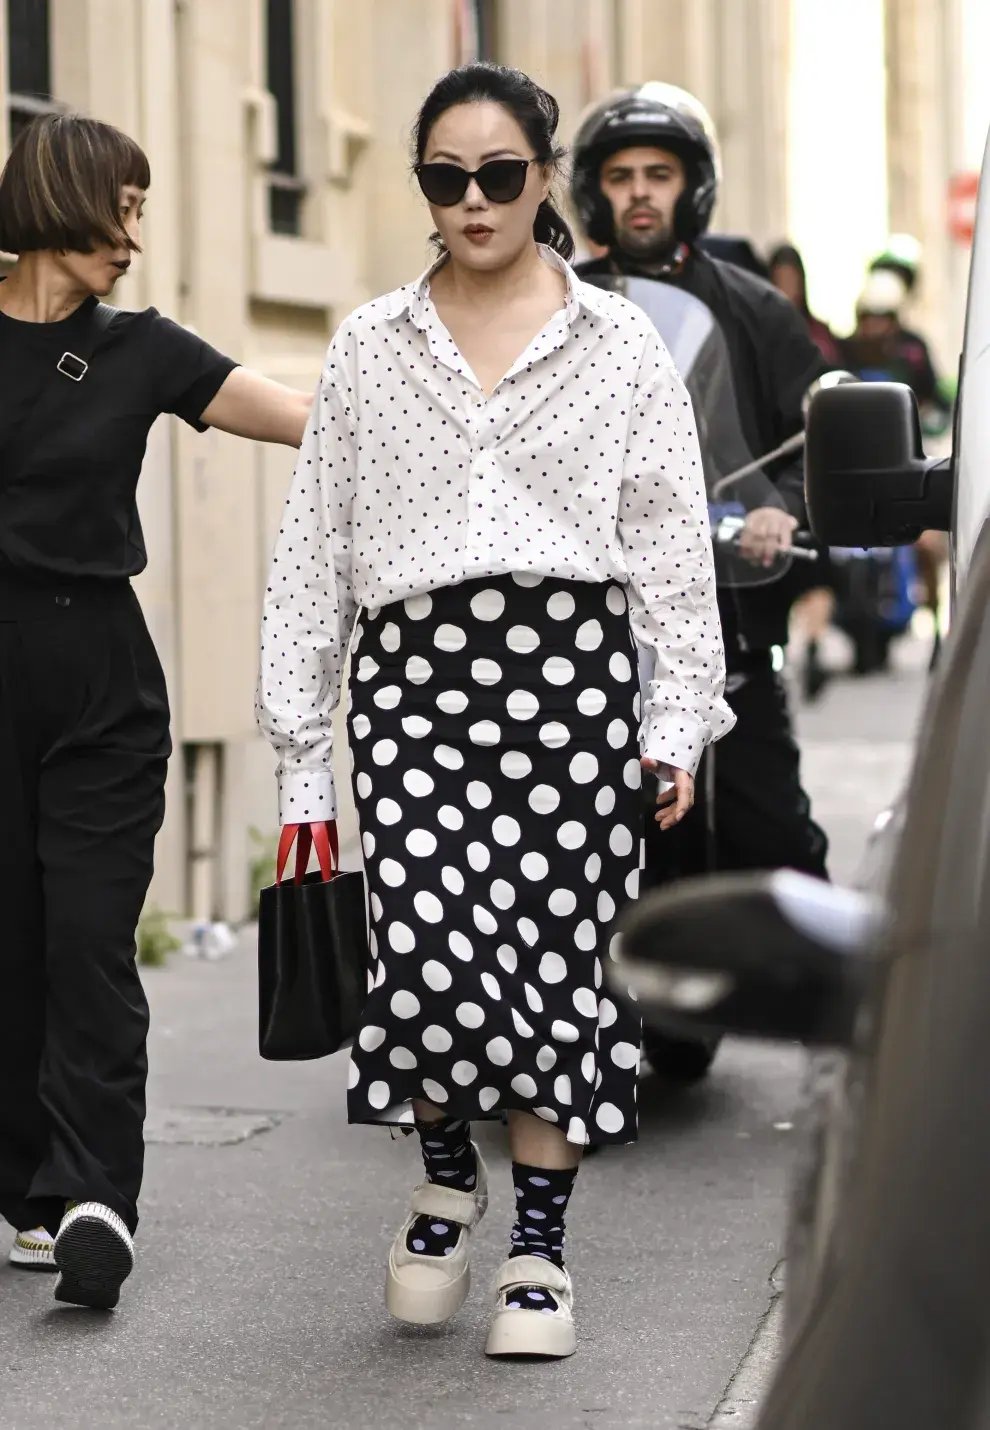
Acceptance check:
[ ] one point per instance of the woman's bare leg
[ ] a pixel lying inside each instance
(426, 1112)
(814, 612)
(812, 616)
(536, 1143)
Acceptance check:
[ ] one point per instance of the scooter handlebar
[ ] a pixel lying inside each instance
(729, 531)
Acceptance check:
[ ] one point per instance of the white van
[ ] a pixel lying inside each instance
(889, 1257)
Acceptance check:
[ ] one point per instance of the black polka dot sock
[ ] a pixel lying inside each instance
(542, 1195)
(448, 1156)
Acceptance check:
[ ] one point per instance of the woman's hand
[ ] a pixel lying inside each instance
(249, 405)
(674, 803)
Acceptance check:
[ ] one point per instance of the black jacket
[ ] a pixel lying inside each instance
(774, 361)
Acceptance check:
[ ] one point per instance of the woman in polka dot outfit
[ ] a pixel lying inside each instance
(499, 494)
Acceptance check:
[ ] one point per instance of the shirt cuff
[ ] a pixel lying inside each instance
(677, 739)
(306, 797)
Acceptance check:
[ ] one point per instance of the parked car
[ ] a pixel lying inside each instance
(888, 1320)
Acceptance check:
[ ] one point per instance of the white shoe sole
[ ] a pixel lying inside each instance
(415, 1294)
(531, 1333)
(26, 1260)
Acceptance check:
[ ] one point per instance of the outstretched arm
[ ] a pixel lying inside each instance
(249, 405)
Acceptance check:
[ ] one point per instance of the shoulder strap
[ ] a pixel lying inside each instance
(75, 365)
(103, 316)
(71, 367)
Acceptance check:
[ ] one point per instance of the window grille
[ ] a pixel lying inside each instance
(29, 77)
(286, 189)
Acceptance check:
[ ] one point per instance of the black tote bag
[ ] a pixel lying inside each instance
(312, 952)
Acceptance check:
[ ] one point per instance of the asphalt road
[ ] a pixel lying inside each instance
(257, 1300)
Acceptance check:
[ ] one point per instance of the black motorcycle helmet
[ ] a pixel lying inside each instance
(653, 113)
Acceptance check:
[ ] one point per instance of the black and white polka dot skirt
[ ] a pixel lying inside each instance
(494, 736)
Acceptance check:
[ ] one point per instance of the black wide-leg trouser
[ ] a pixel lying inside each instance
(84, 743)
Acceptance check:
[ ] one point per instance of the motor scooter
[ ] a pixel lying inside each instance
(737, 484)
(684, 1055)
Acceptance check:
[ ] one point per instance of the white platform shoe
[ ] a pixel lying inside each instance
(427, 1290)
(540, 1330)
(33, 1251)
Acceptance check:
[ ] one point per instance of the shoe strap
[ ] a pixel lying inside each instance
(532, 1271)
(446, 1203)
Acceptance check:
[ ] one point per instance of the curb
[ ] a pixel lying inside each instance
(740, 1405)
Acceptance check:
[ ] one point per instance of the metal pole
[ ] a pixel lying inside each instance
(793, 444)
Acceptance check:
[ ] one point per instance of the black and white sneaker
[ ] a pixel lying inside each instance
(94, 1254)
(33, 1251)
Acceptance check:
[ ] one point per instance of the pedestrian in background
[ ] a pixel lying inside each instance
(84, 719)
(882, 349)
(501, 484)
(877, 601)
(787, 272)
(814, 609)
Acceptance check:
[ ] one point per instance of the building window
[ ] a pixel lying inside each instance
(475, 30)
(486, 29)
(285, 188)
(29, 77)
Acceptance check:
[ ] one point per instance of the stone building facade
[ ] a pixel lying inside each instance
(278, 135)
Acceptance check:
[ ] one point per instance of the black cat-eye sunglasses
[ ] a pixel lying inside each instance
(500, 180)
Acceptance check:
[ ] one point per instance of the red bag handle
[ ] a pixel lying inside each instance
(321, 836)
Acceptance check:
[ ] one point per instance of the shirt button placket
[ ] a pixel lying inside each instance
(485, 468)
(476, 477)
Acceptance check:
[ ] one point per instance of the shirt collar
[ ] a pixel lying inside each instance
(414, 298)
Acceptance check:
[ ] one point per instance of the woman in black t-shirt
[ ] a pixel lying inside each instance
(84, 719)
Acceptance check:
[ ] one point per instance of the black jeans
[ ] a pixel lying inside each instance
(762, 816)
(84, 743)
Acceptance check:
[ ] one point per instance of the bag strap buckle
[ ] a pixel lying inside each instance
(71, 366)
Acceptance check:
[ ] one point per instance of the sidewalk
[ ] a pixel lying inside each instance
(257, 1301)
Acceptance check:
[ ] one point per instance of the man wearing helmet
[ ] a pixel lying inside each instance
(645, 181)
(883, 349)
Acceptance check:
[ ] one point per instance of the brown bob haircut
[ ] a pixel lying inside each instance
(60, 188)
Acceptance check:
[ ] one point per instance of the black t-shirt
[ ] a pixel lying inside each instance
(68, 482)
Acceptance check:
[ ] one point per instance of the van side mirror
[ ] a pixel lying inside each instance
(778, 956)
(836, 377)
(867, 479)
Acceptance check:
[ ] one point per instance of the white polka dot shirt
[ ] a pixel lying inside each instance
(583, 464)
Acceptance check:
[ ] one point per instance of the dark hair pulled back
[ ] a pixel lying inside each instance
(535, 111)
